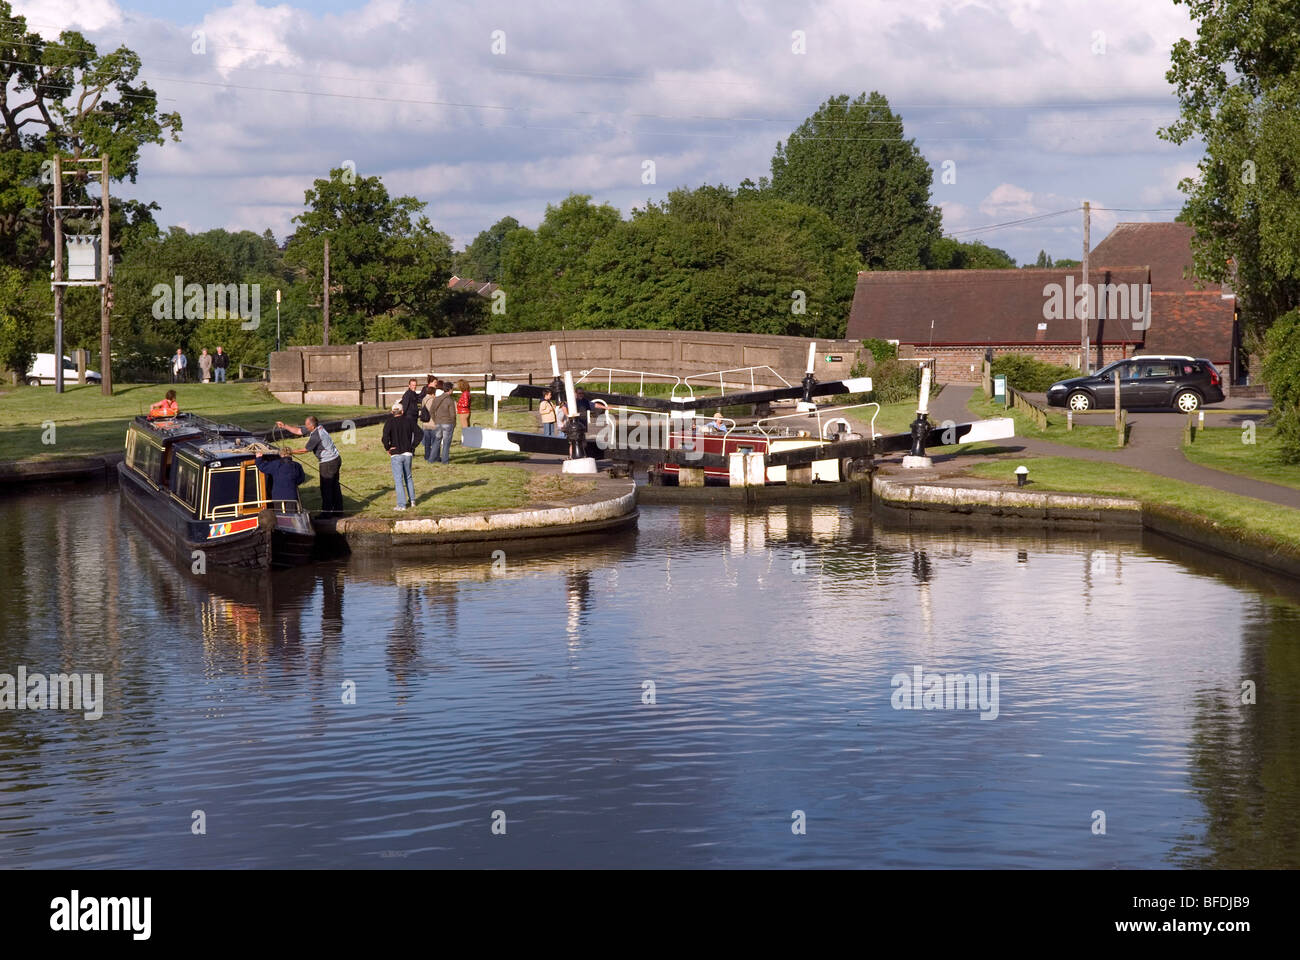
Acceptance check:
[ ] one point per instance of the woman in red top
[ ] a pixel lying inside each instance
(462, 404)
(166, 407)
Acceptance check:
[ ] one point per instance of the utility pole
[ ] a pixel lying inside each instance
(277, 321)
(105, 290)
(327, 292)
(1085, 365)
(84, 274)
(58, 275)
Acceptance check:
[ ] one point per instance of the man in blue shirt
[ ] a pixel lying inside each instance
(286, 474)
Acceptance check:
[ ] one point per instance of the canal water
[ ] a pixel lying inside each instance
(712, 690)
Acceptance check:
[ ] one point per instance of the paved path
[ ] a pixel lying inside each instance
(1155, 445)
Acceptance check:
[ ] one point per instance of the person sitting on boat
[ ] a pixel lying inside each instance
(286, 476)
(165, 407)
(716, 425)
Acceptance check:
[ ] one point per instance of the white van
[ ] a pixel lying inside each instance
(42, 371)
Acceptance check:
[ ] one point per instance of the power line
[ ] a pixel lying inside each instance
(1012, 223)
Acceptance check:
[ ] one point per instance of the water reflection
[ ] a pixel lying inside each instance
(770, 638)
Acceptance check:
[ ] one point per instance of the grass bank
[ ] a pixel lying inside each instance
(1229, 449)
(87, 423)
(1092, 436)
(1241, 517)
(474, 481)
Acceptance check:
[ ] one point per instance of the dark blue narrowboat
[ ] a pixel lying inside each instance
(194, 486)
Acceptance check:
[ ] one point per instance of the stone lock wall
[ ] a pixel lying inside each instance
(354, 373)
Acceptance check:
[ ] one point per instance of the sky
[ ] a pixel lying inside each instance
(485, 109)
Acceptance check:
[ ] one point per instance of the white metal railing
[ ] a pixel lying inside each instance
(722, 383)
(233, 511)
(640, 374)
(760, 424)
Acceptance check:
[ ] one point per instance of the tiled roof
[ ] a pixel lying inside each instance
(991, 307)
(978, 306)
(1195, 324)
(1164, 247)
(472, 286)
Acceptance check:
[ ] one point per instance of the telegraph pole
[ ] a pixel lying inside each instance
(327, 292)
(1085, 364)
(83, 274)
(58, 275)
(105, 290)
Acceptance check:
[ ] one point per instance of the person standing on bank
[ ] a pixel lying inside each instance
(205, 365)
(462, 406)
(410, 401)
(179, 363)
(219, 363)
(546, 410)
(443, 413)
(401, 437)
(327, 456)
(430, 393)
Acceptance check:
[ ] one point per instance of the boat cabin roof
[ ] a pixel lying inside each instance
(205, 440)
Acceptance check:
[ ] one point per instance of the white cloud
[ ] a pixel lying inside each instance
(50, 17)
(1009, 88)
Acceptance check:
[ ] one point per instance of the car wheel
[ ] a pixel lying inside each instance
(33, 381)
(1187, 401)
(1079, 401)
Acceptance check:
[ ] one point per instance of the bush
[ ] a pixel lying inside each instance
(892, 380)
(881, 350)
(1282, 374)
(18, 340)
(1029, 374)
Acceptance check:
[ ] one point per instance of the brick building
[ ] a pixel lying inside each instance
(1143, 302)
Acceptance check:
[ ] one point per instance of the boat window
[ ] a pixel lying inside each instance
(186, 480)
(146, 459)
(223, 490)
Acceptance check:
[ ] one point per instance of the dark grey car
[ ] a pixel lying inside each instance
(1183, 383)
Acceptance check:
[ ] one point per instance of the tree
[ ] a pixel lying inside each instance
(545, 272)
(481, 260)
(64, 97)
(18, 344)
(716, 259)
(949, 254)
(850, 161)
(1043, 261)
(1238, 86)
(385, 258)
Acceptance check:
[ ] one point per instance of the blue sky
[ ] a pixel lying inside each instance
(1035, 105)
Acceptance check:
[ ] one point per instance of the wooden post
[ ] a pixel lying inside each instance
(58, 275)
(326, 297)
(105, 288)
(81, 365)
(1085, 365)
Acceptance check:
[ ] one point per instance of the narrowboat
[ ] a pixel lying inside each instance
(194, 486)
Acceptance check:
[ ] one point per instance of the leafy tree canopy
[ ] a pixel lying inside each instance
(851, 161)
(64, 97)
